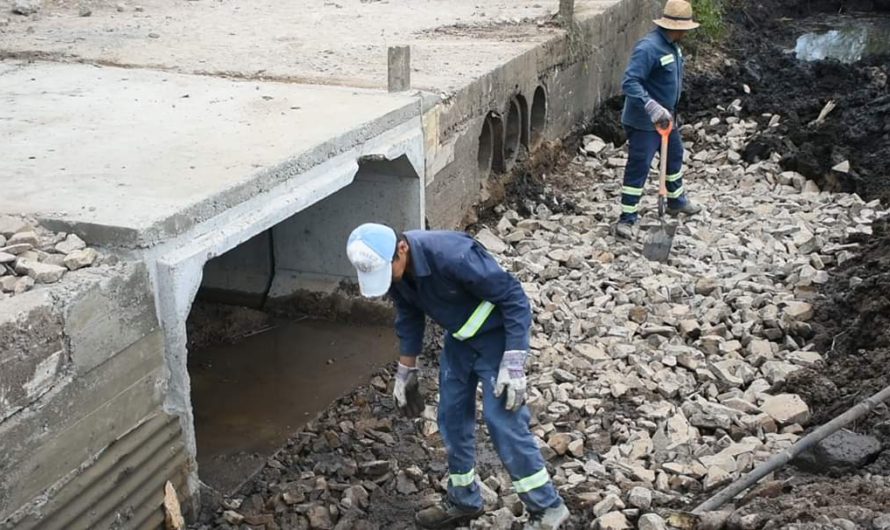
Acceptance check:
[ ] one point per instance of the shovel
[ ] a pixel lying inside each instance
(660, 238)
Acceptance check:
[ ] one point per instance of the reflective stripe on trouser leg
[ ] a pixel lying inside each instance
(532, 482)
(641, 146)
(512, 439)
(677, 193)
(674, 178)
(462, 480)
(457, 421)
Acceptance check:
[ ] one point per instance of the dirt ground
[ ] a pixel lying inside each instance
(758, 60)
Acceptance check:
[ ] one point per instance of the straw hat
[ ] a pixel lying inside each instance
(677, 16)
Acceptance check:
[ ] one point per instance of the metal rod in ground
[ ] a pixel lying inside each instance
(780, 459)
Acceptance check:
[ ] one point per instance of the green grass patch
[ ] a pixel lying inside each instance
(708, 13)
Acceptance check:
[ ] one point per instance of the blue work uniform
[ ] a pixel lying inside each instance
(655, 71)
(485, 312)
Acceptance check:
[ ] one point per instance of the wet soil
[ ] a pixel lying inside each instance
(762, 72)
(535, 182)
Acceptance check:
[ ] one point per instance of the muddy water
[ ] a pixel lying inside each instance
(250, 396)
(846, 40)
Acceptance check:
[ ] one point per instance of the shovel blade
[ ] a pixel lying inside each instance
(659, 242)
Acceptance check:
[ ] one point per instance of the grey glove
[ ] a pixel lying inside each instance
(407, 391)
(511, 377)
(659, 115)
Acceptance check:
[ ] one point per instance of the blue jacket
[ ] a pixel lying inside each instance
(452, 275)
(655, 71)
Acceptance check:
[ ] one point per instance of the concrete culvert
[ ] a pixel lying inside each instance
(538, 116)
(486, 148)
(513, 134)
(276, 333)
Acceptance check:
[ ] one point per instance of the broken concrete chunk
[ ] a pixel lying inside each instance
(707, 285)
(320, 517)
(7, 283)
(613, 521)
(70, 244)
(23, 284)
(651, 521)
(26, 7)
(6, 258)
(40, 272)
(777, 371)
(594, 145)
(843, 167)
(787, 409)
(690, 328)
(559, 442)
(232, 517)
(640, 497)
(490, 241)
(10, 225)
(799, 311)
(78, 259)
(25, 238)
(716, 477)
(16, 250)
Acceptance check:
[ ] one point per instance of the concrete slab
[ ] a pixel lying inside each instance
(141, 155)
(341, 42)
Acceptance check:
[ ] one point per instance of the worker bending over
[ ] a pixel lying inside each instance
(450, 277)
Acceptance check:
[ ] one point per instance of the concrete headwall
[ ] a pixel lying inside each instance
(85, 441)
(542, 93)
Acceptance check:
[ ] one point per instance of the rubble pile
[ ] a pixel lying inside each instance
(651, 384)
(31, 255)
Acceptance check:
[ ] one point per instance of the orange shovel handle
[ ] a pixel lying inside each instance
(665, 133)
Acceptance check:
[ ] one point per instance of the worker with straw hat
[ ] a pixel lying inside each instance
(652, 86)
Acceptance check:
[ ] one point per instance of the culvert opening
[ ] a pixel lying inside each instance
(513, 133)
(538, 118)
(497, 137)
(259, 373)
(486, 148)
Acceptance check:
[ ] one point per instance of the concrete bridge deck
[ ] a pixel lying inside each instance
(130, 157)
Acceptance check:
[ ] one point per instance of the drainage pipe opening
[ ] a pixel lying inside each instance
(538, 119)
(513, 134)
(486, 148)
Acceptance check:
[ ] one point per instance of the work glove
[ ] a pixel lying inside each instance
(407, 391)
(511, 377)
(659, 115)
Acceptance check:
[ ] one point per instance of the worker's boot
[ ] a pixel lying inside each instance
(549, 519)
(688, 208)
(624, 230)
(446, 514)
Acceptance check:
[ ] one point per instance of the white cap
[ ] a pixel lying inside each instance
(370, 249)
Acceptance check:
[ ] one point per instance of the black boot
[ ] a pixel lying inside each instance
(445, 514)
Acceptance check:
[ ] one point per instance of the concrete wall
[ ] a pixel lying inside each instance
(85, 440)
(310, 247)
(575, 72)
(308, 250)
(241, 276)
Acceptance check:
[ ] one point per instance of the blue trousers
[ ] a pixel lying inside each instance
(462, 367)
(642, 147)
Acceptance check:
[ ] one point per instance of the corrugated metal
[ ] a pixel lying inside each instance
(124, 488)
